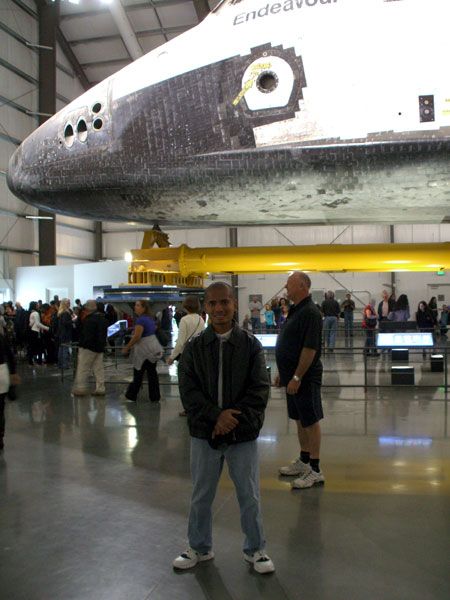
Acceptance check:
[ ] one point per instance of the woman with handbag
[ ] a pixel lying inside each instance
(191, 325)
(145, 353)
(8, 378)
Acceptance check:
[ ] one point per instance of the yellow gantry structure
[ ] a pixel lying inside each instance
(189, 265)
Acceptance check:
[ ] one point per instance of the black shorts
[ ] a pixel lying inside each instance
(306, 405)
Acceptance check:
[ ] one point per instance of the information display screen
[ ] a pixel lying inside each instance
(116, 327)
(416, 339)
(268, 340)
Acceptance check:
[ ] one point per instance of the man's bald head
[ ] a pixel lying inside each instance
(298, 286)
(91, 305)
(219, 285)
(302, 278)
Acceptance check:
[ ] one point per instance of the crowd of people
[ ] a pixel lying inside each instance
(45, 331)
(270, 317)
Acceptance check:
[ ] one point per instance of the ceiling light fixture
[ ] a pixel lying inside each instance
(71, 1)
(39, 218)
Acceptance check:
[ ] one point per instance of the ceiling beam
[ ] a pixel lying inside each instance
(69, 54)
(125, 29)
(107, 63)
(129, 8)
(139, 34)
(65, 48)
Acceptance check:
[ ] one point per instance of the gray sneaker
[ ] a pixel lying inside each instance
(308, 480)
(260, 561)
(297, 467)
(190, 558)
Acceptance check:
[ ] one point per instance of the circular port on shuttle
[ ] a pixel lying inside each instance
(267, 82)
(97, 124)
(97, 107)
(68, 135)
(82, 130)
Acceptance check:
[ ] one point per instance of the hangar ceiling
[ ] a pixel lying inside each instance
(96, 32)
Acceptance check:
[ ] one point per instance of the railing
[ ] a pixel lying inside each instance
(349, 367)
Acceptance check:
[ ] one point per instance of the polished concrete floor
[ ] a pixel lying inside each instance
(94, 495)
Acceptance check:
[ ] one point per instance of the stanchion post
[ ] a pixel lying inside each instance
(445, 371)
(365, 370)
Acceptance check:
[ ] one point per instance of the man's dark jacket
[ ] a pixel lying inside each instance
(245, 383)
(391, 307)
(93, 332)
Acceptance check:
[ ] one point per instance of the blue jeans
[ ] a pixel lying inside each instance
(348, 323)
(256, 324)
(370, 347)
(63, 357)
(329, 331)
(206, 468)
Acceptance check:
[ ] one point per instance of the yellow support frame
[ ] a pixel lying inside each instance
(197, 262)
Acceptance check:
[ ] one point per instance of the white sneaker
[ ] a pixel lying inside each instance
(308, 480)
(190, 558)
(260, 561)
(297, 467)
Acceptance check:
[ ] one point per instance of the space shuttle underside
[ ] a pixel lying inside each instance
(315, 111)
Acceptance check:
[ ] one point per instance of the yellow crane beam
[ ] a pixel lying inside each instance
(278, 259)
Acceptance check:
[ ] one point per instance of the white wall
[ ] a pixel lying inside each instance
(31, 283)
(88, 275)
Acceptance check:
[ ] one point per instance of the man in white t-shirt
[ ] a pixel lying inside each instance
(255, 307)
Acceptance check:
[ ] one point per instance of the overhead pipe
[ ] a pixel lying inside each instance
(126, 31)
(269, 259)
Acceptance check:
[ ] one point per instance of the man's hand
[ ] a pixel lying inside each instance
(276, 381)
(292, 386)
(169, 361)
(14, 379)
(226, 422)
(125, 351)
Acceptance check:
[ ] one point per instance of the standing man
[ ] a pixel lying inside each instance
(386, 306)
(348, 308)
(224, 389)
(330, 310)
(255, 308)
(300, 370)
(90, 351)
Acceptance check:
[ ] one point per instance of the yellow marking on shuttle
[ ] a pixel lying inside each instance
(255, 71)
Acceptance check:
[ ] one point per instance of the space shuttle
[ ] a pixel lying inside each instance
(267, 112)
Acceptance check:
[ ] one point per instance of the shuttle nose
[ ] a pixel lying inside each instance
(29, 166)
(14, 176)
